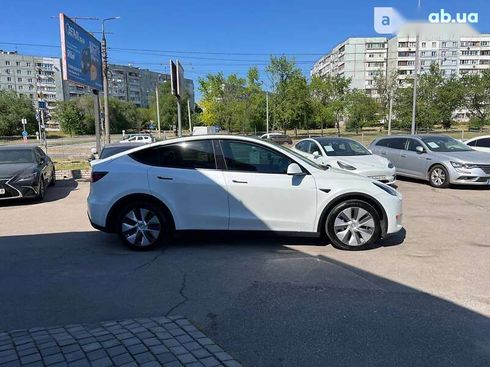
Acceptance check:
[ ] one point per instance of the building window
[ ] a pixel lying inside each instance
(424, 44)
(9, 86)
(19, 72)
(28, 64)
(29, 72)
(434, 53)
(7, 63)
(7, 71)
(20, 87)
(19, 80)
(9, 79)
(17, 63)
(434, 44)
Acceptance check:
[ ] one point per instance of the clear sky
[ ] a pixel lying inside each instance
(212, 35)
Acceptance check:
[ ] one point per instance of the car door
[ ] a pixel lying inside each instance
(412, 162)
(44, 163)
(391, 148)
(184, 176)
(262, 195)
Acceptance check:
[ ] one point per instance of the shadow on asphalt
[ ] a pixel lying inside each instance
(60, 191)
(265, 303)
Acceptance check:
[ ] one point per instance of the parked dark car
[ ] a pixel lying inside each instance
(278, 138)
(111, 149)
(25, 172)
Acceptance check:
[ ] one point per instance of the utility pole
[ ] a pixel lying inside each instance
(106, 82)
(179, 119)
(189, 113)
(267, 111)
(158, 112)
(97, 119)
(390, 114)
(415, 77)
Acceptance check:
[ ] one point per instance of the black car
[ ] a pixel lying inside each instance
(111, 149)
(25, 172)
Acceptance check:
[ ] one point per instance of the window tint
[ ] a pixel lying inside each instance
(484, 143)
(240, 156)
(190, 155)
(472, 143)
(314, 148)
(394, 143)
(413, 144)
(301, 146)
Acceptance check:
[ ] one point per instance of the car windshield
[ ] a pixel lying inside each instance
(16, 156)
(343, 147)
(445, 144)
(299, 157)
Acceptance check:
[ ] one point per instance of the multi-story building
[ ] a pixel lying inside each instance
(38, 78)
(130, 83)
(456, 48)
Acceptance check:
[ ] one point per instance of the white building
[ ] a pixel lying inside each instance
(456, 48)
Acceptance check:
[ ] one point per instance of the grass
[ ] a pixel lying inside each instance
(70, 165)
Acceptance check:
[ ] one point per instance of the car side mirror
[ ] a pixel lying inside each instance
(316, 154)
(420, 149)
(295, 170)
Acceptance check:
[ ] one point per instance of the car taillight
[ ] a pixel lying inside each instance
(96, 176)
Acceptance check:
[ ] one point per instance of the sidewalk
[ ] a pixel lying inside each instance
(161, 341)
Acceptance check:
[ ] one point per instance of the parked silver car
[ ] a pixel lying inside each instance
(439, 159)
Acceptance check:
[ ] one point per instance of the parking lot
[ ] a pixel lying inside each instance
(421, 297)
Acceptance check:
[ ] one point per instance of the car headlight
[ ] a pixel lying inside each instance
(463, 165)
(27, 177)
(390, 190)
(346, 166)
(390, 165)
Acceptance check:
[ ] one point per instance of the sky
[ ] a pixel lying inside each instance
(209, 36)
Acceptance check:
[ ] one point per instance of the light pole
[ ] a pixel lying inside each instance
(105, 81)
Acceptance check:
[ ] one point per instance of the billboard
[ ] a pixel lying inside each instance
(177, 78)
(81, 55)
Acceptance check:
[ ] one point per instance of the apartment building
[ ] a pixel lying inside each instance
(456, 48)
(37, 78)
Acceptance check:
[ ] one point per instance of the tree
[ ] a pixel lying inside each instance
(386, 87)
(290, 95)
(255, 109)
(330, 97)
(70, 118)
(13, 109)
(477, 97)
(362, 110)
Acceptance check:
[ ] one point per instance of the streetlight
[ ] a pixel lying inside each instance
(105, 81)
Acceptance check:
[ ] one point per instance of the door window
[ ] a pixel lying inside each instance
(413, 144)
(393, 143)
(314, 148)
(484, 143)
(248, 157)
(189, 155)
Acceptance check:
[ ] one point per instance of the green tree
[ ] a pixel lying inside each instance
(70, 117)
(255, 109)
(477, 97)
(290, 94)
(386, 87)
(362, 110)
(13, 109)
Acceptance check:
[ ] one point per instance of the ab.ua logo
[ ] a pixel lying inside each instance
(443, 17)
(387, 20)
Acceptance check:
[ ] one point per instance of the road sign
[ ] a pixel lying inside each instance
(41, 105)
(24, 134)
(151, 126)
(24, 122)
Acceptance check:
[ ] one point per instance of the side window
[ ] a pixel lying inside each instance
(382, 143)
(314, 148)
(241, 156)
(395, 143)
(484, 143)
(473, 143)
(413, 144)
(301, 146)
(188, 155)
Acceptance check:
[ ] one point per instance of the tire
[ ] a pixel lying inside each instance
(439, 177)
(53, 178)
(42, 190)
(142, 226)
(353, 225)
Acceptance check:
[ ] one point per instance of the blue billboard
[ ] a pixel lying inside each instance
(81, 55)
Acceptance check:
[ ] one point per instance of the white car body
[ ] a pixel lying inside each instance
(145, 139)
(369, 165)
(222, 199)
(481, 143)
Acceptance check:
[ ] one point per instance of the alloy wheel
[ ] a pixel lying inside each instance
(438, 176)
(354, 226)
(141, 227)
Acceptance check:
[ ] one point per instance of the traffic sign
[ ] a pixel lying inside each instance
(24, 134)
(24, 122)
(41, 104)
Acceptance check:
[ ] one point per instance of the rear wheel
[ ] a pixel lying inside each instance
(353, 225)
(142, 226)
(439, 177)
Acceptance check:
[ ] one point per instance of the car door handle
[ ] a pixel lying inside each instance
(238, 181)
(164, 178)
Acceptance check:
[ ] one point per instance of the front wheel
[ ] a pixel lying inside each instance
(41, 189)
(353, 225)
(142, 226)
(439, 177)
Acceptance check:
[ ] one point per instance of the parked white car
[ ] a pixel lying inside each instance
(143, 139)
(347, 154)
(235, 183)
(481, 143)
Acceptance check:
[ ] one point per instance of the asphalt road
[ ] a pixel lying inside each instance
(421, 298)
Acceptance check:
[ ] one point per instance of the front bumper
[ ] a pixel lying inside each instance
(474, 176)
(10, 190)
(386, 176)
(393, 207)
